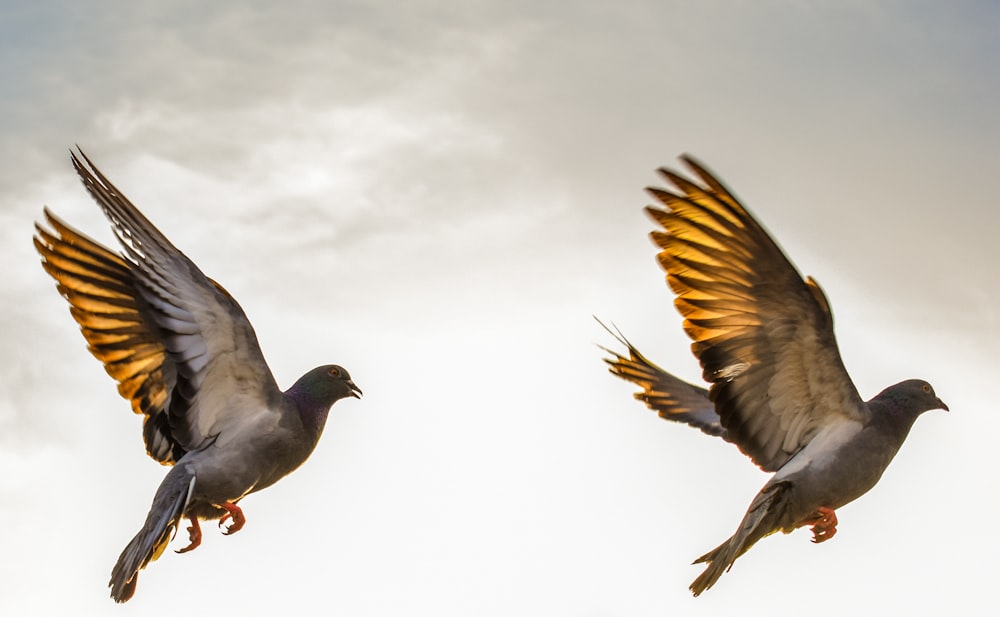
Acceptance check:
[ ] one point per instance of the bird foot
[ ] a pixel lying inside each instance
(824, 524)
(234, 512)
(194, 534)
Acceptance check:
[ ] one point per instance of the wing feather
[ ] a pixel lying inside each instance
(763, 335)
(672, 398)
(101, 292)
(179, 345)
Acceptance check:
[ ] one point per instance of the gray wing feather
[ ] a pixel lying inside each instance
(222, 379)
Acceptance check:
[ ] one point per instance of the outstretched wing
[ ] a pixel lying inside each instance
(672, 398)
(764, 336)
(179, 346)
(101, 292)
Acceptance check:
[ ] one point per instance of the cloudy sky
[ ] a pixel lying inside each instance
(439, 196)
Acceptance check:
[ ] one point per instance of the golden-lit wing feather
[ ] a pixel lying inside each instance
(101, 293)
(672, 398)
(764, 336)
(179, 345)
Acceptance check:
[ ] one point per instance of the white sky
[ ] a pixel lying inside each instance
(439, 196)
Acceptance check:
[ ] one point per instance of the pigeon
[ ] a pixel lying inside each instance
(186, 357)
(779, 390)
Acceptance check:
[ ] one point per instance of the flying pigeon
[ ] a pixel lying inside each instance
(779, 390)
(185, 355)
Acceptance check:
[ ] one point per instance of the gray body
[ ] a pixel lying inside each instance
(778, 387)
(186, 357)
(833, 470)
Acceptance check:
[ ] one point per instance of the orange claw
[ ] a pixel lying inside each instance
(824, 524)
(194, 533)
(232, 511)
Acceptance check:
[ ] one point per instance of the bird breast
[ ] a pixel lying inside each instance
(840, 464)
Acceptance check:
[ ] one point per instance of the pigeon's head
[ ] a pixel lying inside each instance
(916, 395)
(316, 391)
(326, 385)
(335, 383)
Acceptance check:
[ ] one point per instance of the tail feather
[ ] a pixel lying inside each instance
(161, 523)
(759, 522)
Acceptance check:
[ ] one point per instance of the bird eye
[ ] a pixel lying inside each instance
(334, 372)
(927, 388)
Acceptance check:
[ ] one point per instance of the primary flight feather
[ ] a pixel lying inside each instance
(778, 388)
(186, 357)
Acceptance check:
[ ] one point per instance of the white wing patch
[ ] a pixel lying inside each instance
(822, 449)
(247, 415)
(732, 371)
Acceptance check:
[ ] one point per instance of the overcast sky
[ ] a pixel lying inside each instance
(439, 196)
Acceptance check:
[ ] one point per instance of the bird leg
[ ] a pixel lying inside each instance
(232, 511)
(194, 533)
(824, 524)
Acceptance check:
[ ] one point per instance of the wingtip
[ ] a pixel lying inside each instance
(50, 216)
(46, 216)
(605, 326)
(616, 333)
(691, 160)
(74, 156)
(688, 160)
(78, 164)
(43, 233)
(85, 168)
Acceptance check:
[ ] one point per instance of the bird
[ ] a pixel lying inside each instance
(187, 358)
(778, 388)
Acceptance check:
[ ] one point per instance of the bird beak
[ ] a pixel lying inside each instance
(941, 405)
(355, 390)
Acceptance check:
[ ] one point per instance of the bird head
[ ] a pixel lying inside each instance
(917, 394)
(337, 382)
(327, 384)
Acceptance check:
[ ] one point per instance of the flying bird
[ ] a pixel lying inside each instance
(778, 387)
(186, 357)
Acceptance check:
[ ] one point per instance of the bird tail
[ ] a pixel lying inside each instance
(161, 523)
(759, 522)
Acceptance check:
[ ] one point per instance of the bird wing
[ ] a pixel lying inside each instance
(101, 292)
(179, 345)
(672, 398)
(764, 336)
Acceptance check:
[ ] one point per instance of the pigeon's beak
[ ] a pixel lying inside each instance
(941, 405)
(355, 390)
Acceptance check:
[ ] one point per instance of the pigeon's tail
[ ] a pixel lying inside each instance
(761, 520)
(166, 512)
(672, 398)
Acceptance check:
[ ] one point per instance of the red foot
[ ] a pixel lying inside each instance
(194, 533)
(824, 524)
(232, 511)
